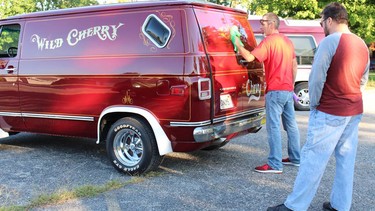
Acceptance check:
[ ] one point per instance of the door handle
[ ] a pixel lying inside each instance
(11, 69)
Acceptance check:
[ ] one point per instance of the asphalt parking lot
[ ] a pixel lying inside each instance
(224, 179)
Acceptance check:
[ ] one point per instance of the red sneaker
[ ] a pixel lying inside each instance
(286, 161)
(267, 169)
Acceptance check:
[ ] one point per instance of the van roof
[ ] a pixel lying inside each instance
(119, 6)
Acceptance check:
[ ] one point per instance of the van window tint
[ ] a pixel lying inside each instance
(215, 30)
(156, 31)
(9, 36)
(304, 47)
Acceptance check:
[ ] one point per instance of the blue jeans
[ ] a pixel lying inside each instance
(327, 134)
(280, 104)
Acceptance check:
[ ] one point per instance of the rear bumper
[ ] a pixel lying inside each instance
(241, 125)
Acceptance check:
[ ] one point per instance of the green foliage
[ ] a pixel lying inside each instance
(8, 40)
(361, 18)
(12, 7)
(43, 5)
(371, 81)
(361, 12)
(307, 9)
(13, 208)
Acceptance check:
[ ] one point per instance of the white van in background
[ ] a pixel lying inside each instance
(305, 35)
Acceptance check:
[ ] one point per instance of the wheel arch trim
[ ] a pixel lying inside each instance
(162, 141)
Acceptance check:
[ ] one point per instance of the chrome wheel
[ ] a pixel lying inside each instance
(303, 96)
(128, 147)
(302, 92)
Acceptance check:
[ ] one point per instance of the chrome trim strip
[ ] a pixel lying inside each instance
(11, 114)
(216, 120)
(48, 116)
(221, 130)
(55, 116)
(190, 124)
(238, 115)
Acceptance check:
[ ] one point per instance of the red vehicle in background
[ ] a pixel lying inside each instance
(306, 36)
(147, 78)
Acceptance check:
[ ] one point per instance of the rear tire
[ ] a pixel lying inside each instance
(131, 146)
(302, 92)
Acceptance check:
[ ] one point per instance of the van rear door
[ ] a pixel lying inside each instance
(238, 86)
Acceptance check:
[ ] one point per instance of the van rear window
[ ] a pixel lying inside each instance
(156, 31)
(305, 49)
(215, 27)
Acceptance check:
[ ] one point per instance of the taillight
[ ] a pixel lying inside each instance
(204, 88)
(178, 90)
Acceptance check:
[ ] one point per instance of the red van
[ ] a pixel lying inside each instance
(146, 78)
(305, 35)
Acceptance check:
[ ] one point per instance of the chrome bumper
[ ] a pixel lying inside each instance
(219, 130)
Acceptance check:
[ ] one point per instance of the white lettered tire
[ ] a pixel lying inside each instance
(131, 146)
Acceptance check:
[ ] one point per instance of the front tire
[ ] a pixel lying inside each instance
(131, 146)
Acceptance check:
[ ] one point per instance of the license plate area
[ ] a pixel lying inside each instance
(226, 101)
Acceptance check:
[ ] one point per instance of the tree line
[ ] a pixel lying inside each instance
(12, 7)
(361, 12)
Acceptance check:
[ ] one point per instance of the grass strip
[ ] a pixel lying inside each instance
(371, 81)
(85, 191)
(80, 192)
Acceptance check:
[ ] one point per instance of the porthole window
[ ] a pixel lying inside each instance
(156, 31)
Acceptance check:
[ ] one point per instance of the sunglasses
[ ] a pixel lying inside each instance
(321, 22)
(262, 21)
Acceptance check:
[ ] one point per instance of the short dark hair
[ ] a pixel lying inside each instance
(337, 12)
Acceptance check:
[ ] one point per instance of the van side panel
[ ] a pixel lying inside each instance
(98, 60)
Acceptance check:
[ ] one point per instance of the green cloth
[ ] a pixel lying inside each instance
(234, 34)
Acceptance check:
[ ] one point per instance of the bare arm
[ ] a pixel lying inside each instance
(294, 69)
(244, 53)
(238, 45)
(364, 78)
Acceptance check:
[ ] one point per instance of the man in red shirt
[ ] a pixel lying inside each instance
(276, 51)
